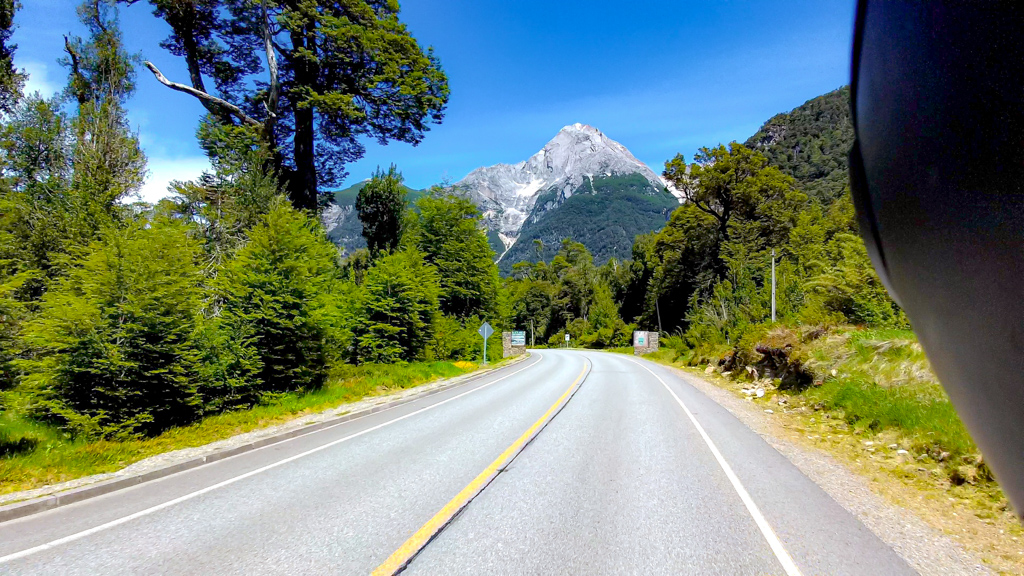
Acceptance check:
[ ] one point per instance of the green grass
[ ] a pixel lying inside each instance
(921, 414)
(620, 350)
(37, 454)
(883, 382)
(878, 382)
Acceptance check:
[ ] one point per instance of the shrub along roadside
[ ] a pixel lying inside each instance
(45, 455)
(111, 346)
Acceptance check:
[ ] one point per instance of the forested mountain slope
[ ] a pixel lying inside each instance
(604, 214)
(811, 143)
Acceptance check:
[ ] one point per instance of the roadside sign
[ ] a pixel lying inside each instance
(519, 337)
(566, 337)
(639, 339)
(485, 330)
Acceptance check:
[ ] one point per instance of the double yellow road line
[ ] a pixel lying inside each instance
(407, 551)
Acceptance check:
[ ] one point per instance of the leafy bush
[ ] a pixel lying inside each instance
(850, 287)
(450, 340)
(380, 204)
(227, 369)
(12, 313)
(111, 350)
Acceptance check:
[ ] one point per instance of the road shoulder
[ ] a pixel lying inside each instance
(928, 551)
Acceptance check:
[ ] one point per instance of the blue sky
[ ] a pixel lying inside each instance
(660, 77)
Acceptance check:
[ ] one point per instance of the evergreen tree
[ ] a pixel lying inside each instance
(64, 179)
(108, 162)
(381, 205)
(36, 222)
(12, 313)
(568, 295)
(228, 201)
(687, 259)
(447, 230)
(849, 286)
(280, 296)
(738, 208)
(111, 351)
(11, 80)
(629, 281)
(399, 307)
(736, 183)
(99, 68)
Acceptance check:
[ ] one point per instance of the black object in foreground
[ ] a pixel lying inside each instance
(937, 174)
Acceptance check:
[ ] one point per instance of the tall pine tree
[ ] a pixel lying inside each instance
(11, 80)
(447, 231)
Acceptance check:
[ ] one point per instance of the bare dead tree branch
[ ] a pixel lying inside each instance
(229, 107)
(275, 85)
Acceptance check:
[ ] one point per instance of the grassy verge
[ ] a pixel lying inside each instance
(38, 455)
(873, 401)
(871, 382)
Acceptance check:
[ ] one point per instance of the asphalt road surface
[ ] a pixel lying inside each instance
(605, 465)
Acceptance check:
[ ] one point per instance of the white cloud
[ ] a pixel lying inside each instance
(39, 79)
(163, 170)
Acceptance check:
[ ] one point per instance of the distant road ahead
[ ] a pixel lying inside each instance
(638, 473)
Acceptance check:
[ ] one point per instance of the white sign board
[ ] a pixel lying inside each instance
(639, 339)
(519, 337)
(566, 337)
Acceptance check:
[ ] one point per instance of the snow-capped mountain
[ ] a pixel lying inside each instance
(507, 193)
(581, 185)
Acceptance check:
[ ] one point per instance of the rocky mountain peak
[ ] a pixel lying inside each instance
(507, 193)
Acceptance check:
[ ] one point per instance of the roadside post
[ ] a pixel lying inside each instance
(567, 340)
(485, 330)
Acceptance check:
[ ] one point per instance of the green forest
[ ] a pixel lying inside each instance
(121, 320)
(603, 213)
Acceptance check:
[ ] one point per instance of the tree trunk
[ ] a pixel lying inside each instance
(303, 183)
(184, 23)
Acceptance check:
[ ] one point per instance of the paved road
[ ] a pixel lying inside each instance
(639, 473)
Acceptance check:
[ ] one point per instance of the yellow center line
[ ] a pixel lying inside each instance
(401, 557)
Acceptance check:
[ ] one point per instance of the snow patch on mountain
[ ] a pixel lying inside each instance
(507, 193)
(672, 189)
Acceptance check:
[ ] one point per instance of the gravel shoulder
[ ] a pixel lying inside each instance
(927, 550)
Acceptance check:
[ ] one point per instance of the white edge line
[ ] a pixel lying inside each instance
(191, 495)
(766, 530)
